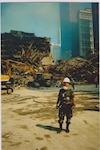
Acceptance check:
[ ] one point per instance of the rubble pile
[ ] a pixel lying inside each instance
(35, 51)
(23, 47)
(78, 68)
(26, 48)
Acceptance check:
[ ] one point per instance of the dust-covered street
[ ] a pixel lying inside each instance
(30, 120)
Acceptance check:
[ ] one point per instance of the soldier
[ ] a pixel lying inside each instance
(65, 104)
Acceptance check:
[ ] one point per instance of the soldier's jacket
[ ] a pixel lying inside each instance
(65, 96)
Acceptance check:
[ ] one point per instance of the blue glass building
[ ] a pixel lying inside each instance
(95, 13)
(69, 28)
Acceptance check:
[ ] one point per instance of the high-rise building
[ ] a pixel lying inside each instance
(95, 14)
(86, 40)
(69, 29)
(68, 32)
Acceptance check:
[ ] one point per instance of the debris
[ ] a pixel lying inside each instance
(35, 51)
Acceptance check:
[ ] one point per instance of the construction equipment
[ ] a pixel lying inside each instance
(7, 80)
(39, 79)
(6, 84)
(16, 64)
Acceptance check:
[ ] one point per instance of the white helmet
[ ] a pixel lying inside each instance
(66, 80)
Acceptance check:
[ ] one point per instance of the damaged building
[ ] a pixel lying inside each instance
(35, 52)
(26, 48)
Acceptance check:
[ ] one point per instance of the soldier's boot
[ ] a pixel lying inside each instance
(60, 128)
(67, 128)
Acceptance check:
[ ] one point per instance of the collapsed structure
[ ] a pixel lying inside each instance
(23, 51)
(34, 51)
(24, 47)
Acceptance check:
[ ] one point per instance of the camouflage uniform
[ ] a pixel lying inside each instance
(65, 102)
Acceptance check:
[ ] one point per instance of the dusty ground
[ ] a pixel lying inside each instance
(29, 121)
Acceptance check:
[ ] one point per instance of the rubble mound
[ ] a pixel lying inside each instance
(24, 47)
(35, 51)
(78, 68)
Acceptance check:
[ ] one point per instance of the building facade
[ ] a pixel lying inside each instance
(69, 30)
(86, 39)
(69, 33)
(95, 15)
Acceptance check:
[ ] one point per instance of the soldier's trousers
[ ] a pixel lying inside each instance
(65, 110)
